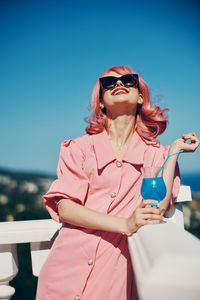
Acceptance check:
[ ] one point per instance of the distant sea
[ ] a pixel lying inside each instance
(192, 179)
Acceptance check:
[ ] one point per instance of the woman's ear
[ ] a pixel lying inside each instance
(140, 99)
(101, 105)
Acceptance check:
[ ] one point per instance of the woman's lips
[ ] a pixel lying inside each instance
(119, 91)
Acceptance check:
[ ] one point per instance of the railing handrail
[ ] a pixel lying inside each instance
(166, 261)
(27, 231)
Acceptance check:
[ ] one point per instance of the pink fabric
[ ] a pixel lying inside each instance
(89, 263)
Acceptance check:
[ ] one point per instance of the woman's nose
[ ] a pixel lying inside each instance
(119, 82)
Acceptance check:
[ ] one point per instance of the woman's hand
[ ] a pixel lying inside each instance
(144, 215)
(181, 144)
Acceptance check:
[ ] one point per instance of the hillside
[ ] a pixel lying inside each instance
(20, 195)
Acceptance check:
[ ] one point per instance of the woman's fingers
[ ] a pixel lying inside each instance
(151, 210)
(152, 217)
(144, 203)
(162, 211)
(149, 222)
(145, 213)
(144, 219)
(192, 137)
(190, 146)
(188, 135)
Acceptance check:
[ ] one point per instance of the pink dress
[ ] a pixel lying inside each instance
(91, 264)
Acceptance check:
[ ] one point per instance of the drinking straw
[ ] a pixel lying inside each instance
(167, 160)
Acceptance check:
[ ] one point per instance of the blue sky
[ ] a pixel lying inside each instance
(52, 52)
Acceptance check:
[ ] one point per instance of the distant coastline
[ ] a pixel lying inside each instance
(187, 178)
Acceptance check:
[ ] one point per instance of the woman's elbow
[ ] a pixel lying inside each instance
(66, 209)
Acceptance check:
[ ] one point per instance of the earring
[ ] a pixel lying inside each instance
(101, 105)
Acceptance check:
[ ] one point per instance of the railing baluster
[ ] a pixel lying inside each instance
(8, 269)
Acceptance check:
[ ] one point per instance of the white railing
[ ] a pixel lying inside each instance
(166, 262)
(39, 233)
(166, 258)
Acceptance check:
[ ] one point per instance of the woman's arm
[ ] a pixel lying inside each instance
(76, 214)
(169, 168)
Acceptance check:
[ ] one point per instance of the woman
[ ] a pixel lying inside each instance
(97, 193)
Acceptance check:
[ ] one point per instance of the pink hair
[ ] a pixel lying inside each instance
(150, 121)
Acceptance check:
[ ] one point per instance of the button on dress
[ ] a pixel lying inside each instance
(92, 264)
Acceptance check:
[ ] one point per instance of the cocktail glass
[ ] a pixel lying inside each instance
(153, 185)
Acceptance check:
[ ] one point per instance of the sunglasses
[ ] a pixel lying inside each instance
(128, 80)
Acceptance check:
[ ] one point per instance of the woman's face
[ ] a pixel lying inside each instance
(120, 99)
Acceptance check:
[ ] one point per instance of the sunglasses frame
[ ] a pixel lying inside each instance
(135, 76)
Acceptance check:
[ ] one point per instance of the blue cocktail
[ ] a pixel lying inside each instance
(153, 185)
(153, 188)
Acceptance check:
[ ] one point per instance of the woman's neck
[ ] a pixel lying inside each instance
(120, 130)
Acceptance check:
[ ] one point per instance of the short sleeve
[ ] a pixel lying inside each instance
(155, 157)
(72, 182)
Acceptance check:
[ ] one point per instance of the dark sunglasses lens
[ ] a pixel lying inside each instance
(108, 82)
(130, 80)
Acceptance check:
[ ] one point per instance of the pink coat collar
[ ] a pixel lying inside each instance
(105, 154)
